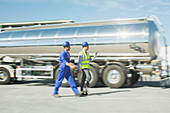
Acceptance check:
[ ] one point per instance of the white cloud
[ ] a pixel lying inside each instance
(150, 6)
(156, 6)
(98, 4)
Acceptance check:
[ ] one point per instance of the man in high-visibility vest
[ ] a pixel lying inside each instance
(64, 71)
(84, 66)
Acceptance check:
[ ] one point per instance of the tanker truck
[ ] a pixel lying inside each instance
(127, 48)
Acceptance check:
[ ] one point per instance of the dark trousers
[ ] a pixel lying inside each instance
(85, 79)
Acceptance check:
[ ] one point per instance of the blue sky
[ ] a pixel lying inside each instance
(84, 10)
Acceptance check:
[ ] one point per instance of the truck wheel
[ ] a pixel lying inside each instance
(94, 77)
(4, 76)
(114, 76)
(64, 82)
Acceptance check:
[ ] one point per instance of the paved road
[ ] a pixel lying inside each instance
(35, 96)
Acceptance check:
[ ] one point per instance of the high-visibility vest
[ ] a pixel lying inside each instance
(85, 63)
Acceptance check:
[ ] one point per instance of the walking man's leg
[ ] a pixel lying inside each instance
(72, 82)
(88, 77)
(83, 78)
(59, 82)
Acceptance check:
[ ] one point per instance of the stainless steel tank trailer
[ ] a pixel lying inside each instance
(127, 49)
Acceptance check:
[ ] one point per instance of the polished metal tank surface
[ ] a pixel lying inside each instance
(125, 38)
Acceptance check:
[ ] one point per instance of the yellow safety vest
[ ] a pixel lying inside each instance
(85, 63)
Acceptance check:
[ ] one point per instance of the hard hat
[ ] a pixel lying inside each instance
(66, 43)
(85, 44)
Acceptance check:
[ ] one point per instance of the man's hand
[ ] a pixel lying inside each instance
(72, 66)
(95, 55)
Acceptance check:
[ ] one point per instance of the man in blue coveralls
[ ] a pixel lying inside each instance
(64, 71)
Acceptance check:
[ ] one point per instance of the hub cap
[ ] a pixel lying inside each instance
(3, 76)
(113, 76)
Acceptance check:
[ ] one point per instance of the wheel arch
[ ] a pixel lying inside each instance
(96, 66)
(114, 63)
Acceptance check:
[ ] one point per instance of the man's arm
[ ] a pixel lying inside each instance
(66, 63)
(91, 59)
(79, 63)
(70, 65)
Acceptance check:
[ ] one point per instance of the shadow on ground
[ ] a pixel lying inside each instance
(110, 92)
(99, 93)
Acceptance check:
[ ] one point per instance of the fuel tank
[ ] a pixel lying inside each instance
(138, 37)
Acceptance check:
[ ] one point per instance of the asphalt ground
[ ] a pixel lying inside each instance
(35, 96)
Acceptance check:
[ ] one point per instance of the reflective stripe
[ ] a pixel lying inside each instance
(85, 66)
(88, 61)
(84, 63)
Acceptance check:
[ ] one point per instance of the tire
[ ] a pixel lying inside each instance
(95, 65)
(119, 74)
(134, 78)
(94, 77)
(64, 82)
(4, 76)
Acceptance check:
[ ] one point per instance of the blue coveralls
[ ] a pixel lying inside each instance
(64, 71)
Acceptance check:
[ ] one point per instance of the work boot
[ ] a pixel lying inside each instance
(84, 93)
(56, 95)
(79, 94)
(87, 93)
